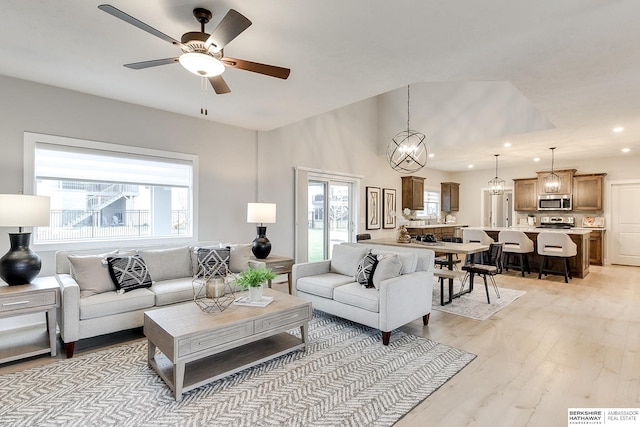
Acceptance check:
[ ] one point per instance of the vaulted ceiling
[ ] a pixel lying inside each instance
(535, 74)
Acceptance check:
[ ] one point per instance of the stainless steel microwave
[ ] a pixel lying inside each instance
(554, 202)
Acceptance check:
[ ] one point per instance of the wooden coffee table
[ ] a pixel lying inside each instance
(198, 348)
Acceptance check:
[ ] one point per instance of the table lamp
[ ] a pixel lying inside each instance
(21, 265)
(262, 213)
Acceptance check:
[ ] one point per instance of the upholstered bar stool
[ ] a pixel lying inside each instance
(558, 245)
(477, 236)
(516, 243)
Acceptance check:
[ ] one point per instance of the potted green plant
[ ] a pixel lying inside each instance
(254, 280)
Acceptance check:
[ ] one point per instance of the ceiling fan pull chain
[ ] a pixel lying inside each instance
(203, 96)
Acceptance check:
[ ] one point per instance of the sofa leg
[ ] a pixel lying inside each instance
(425, 319)
(385, 337)
(69, 347)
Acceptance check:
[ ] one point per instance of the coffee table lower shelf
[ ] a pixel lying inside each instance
(208, 369)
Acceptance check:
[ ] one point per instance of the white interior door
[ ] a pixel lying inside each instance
(624, 230)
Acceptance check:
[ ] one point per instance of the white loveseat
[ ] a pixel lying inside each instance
(402, 292)
(90, 306)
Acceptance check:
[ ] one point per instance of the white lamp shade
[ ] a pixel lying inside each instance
(21, 210)
(264, 213)
(201, 64)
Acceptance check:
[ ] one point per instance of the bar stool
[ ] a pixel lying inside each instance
(476, 236)
(516, 243)
(558, 245)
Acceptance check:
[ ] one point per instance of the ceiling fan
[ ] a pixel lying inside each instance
(202, 53)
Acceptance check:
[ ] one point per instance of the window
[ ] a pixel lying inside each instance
(431, 206)
(111, 192)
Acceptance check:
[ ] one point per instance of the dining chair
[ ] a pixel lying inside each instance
(491, 268)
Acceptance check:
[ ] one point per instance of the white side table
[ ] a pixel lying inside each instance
(41, 296)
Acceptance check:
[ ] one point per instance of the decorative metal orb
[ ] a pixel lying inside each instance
(407, 152)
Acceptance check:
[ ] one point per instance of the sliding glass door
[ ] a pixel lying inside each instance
(330, 216)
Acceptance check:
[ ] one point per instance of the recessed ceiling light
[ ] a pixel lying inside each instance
(536, 159)
(626, 150)
(431, 155)
(507, 144)
(618, 129)
(470, 166)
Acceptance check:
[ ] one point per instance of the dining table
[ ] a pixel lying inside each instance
(448, 248)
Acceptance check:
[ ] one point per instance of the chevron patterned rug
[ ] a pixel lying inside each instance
(345, 377)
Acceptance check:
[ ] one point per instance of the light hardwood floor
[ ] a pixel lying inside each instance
(559, 346)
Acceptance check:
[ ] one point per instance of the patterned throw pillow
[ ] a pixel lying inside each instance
(129, 273)
(366, 267)
(213, 262)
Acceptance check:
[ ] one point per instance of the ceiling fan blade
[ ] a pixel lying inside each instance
(137, 23)
(219, 85)
(228, 29)
(153, 63)
(268, 70)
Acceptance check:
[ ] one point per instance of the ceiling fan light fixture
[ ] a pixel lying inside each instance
(201, 64)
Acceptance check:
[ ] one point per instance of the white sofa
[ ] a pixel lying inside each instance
(399, 296)
(90, 306)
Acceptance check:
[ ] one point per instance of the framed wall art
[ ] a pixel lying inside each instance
(373, 208)
(388, 208)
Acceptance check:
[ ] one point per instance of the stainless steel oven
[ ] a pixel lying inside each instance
(554, 202)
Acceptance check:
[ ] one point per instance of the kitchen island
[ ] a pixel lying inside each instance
(438, 230)
(580, 236)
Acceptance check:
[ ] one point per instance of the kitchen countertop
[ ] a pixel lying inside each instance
(537, 230)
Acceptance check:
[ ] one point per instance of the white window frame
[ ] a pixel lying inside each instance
(29, 187)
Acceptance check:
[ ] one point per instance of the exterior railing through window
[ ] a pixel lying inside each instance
(106, 224)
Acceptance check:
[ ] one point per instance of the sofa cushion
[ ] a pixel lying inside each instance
(355, 295)
(91, 272)
(212, 262)
(129, 272)
(366, 267)
(323, 285)
(345, 259)
(167, 264)
(108, 303)
(239, 257)
(388, 267)
(172, 291)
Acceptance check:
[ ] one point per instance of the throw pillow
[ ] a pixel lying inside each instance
(91, 272)
(388, 267)
(129, 273)
(345, 259)
(239, 258)
(213, 262)
(366, 268)
(167, 264)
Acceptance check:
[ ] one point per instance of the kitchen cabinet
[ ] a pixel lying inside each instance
(525, 194)
(566, 181)
(413, 193)
(596, 246)
(587, 192)
(450, 196)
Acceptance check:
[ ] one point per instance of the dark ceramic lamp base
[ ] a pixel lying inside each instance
(261, 246)
(20, 265)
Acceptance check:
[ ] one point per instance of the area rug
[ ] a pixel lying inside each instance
(474, 305)
(344, 377)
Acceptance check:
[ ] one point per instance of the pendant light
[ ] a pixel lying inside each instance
(407, 152)
(496, 185)
(552, 181)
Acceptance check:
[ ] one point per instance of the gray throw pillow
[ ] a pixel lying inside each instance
(345, 259)
(388, 267)
(212, 262)
(239, 257)
(91, 272)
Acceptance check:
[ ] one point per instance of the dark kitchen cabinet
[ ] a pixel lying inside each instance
(587, 192)
(413, 193)
(450, 196)
(525, 194)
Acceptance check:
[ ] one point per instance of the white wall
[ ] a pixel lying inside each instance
(227, 172)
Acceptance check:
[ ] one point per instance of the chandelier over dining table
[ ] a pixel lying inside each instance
(407, 152)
